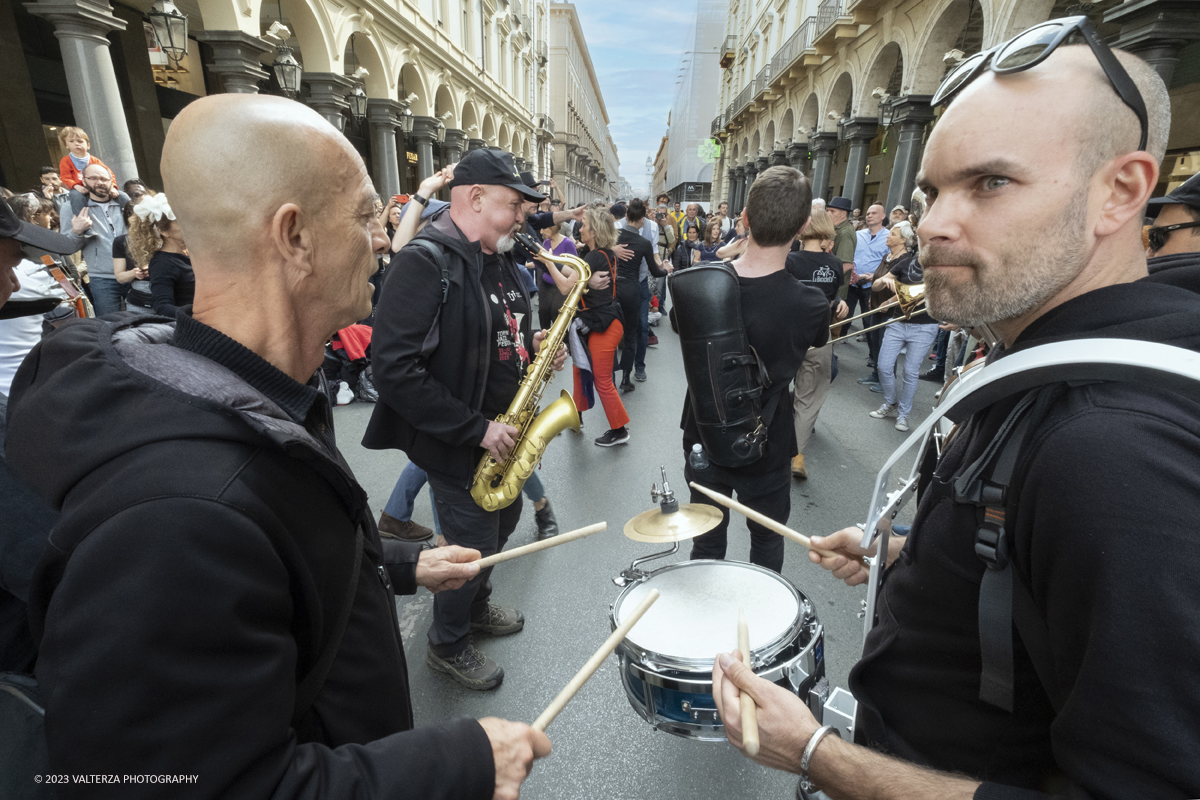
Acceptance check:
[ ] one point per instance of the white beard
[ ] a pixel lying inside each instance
(506, 244)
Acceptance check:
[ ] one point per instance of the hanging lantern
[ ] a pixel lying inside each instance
(287, 71)
(406, 121)
(170, 29)
(440, 133)
(358, 104)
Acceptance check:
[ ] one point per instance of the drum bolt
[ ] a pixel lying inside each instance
(687, 706)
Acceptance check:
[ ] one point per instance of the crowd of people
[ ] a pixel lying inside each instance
(174, 467)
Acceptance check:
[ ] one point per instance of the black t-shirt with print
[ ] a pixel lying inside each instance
(509, 356)
(822, 270)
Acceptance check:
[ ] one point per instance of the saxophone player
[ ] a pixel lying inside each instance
(453, 338)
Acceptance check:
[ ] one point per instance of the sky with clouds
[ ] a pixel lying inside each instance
(637, 48)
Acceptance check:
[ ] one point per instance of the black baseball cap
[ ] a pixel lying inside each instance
(1185, 194)
(484, 167)
(11, 227)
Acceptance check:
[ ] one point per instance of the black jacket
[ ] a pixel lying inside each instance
(201, 557)
(430, 359)
(1105, 497)
(1180, 269)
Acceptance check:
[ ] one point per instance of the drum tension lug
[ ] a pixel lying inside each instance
(862, 612)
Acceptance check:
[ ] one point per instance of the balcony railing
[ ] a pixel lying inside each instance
(743, 99)
(543, 52)
(729, 51)
(719, 122)
(794, 47)
(827, 13)
(546, 124)
(763, 80)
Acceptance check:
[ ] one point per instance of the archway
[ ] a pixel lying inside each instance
(359, 50)
(412, 90)
(838, 105)
(885, 73)
(769, 143)
(787, 128)
(489, 129)
(959, 26)
(443, 107)
(470, 121)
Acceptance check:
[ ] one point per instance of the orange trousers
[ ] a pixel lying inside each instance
(603, 348)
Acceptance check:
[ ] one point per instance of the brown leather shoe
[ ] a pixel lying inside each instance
(798, 470)
(410, 531)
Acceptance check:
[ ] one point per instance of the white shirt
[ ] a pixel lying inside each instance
(19, 335)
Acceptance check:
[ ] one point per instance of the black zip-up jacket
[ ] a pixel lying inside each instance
(430, 359)
(1180, 269)
(199, 562)
(1105, 498)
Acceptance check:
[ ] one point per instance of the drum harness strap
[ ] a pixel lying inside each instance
(1004, 597)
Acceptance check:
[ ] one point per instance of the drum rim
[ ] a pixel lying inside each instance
(761, 655)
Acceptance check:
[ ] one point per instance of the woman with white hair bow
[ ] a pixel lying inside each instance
(155, 240)
(917, 333)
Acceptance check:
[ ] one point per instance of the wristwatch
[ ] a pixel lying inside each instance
(420, 199)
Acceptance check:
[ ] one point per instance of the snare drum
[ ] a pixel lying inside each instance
(667, 659)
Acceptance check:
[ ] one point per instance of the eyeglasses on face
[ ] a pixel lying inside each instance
(1158, 235)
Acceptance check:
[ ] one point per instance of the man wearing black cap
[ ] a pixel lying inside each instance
(27, 520)
(452, 341)
(1175, 236)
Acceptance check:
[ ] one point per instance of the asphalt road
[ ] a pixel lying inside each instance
(602, 748)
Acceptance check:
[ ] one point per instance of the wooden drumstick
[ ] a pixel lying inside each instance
(554, 541)
(593, 663)
(749, 710)
(767, 522)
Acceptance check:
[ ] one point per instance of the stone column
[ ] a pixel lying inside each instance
(778, 158)
(453, 146)
(236, 59)
(424, 133)
(762, 162)
(911, 114)
(750, 170)
(521, 164)
(859, 132)
(822, 146)
(1156, 30)
(327, 95)
(81, 27)
(384, 117)
(797, 156)
(475, 144)
(731, 191)
(739, 189)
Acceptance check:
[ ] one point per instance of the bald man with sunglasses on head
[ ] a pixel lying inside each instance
(1105, 491)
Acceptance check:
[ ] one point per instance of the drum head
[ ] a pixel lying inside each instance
(696, 616)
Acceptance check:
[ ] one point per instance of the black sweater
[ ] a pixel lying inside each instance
(172, 282)
(1104, 537)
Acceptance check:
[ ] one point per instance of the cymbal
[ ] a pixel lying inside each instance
(691, 520)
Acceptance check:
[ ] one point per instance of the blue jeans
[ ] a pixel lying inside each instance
(943, 339)
(533, 488)
(643, 336)
(106, 295)
(404, 494)
(918, 339)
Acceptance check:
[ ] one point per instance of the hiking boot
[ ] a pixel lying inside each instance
(798, 470)
(886, 410)
(471, 668)
(498, 621)
(640, 376)
(627, 385)
(408, 531)
(614, 437)
(902, 423)
(547, 525)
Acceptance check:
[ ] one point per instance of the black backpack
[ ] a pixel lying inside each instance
(731, 395)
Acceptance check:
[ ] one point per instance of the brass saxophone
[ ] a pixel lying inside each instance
(496, 485)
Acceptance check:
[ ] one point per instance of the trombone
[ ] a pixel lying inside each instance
(910, 298)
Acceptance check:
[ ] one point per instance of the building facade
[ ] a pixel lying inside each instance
(841, 88)
(412, 83)
(691, 153)
(585, 158)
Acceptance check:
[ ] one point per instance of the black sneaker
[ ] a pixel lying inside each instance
(498, 621)
(547, 525)
(935, 376)
(614, 437)
(640, 376)
(471, 668)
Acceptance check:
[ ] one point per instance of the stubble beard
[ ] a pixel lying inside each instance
(1022, 279)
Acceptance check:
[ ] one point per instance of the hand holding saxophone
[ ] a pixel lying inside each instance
(560, 358)
(499, 439)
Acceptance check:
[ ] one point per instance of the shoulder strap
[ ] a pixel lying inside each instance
(1003, 595)
(439, 257)
(310, 686)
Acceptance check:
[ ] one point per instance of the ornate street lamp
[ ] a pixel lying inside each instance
(406, 121)
(170, 29)
(441, 133)
(286, 68)
(358, 98)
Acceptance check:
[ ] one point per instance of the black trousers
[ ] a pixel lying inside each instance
(629, 295)
(465, 524)
(769, 494)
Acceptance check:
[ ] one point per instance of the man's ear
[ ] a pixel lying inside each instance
(1127, 184)
(292, 237)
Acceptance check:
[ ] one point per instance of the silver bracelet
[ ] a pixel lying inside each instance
(818, 735)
